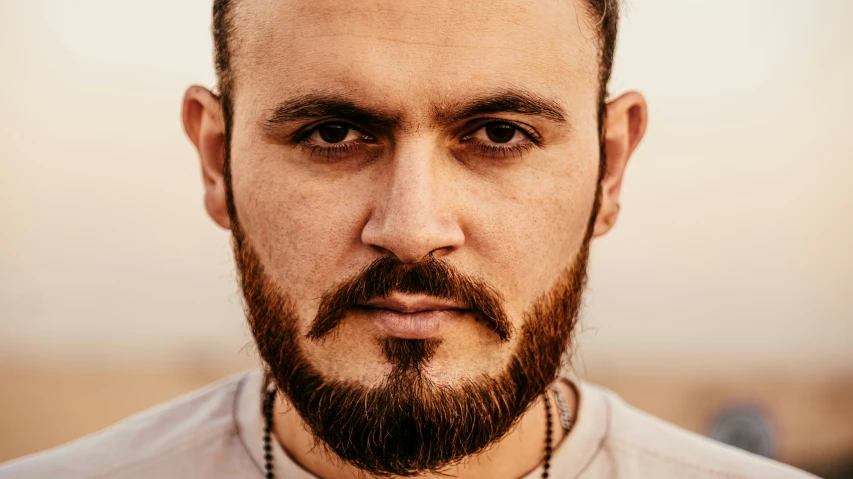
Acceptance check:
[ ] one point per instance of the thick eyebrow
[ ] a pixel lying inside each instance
(508, 101)
(317, 105)
(314, 106)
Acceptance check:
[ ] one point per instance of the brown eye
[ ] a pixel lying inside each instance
(500, 132)
(333, 132)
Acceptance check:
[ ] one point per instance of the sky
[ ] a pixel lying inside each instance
(732, 249)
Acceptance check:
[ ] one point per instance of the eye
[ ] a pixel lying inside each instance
(500, 133)
(335, 140)
(501, 140)
(333, 133)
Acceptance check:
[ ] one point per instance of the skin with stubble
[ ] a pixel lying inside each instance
(412, 188)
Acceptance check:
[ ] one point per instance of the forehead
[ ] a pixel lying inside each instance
(403, 51)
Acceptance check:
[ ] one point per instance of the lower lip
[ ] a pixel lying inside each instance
(420, 325)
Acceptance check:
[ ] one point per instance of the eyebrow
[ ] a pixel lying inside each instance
(508, 101)
(318, 105)
(325, 105)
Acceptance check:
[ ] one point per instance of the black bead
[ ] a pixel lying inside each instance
(267, 407)
(547, 462)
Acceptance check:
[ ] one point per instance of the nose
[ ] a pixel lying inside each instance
(415, 203)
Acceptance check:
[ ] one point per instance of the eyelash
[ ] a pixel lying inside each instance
(335, 152)
(505, 152)
(330, 153)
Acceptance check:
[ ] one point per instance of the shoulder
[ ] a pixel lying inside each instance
(641, 445)
(166, 438)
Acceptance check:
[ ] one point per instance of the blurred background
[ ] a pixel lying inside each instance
(722, 301)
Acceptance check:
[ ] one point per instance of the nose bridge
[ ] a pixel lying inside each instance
(413, 215)
(412, 183)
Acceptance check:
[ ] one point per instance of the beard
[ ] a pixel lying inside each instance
(408, 424)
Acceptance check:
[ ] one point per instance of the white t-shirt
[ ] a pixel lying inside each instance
(217, 432)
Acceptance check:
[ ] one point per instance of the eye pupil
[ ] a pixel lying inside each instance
(500, 132)
(333, 133)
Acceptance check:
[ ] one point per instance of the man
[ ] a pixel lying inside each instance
(412, 188)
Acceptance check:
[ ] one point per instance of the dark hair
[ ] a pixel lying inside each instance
(604, 12)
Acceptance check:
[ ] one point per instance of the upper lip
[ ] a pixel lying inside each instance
(413, 303)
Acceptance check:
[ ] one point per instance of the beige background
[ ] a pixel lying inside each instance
(731, 269)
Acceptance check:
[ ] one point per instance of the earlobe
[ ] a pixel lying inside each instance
(625, 126)
(205, 127)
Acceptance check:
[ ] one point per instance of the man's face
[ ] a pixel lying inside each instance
(466, 131)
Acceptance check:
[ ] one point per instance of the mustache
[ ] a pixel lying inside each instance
(432, 276)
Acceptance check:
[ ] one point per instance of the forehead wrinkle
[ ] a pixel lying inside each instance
(385, 22)
(399, 40)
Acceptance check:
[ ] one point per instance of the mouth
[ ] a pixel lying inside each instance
(413, 316)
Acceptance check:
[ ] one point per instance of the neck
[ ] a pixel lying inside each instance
(516, 455)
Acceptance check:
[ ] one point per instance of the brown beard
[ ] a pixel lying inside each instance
(409, 425)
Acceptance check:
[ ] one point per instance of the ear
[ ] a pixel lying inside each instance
(205, 126)
(623, 130)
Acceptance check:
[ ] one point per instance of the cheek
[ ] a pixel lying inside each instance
(305, 230)
(530, 231)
